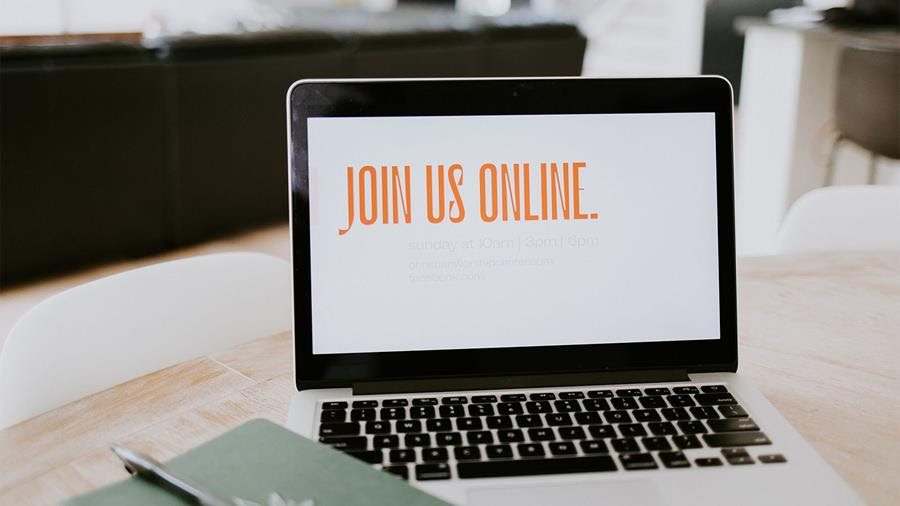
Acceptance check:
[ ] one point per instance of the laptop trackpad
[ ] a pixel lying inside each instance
(642, 492)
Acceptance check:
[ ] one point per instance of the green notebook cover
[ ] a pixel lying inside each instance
(259, 458)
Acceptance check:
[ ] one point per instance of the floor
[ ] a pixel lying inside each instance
(17, 301)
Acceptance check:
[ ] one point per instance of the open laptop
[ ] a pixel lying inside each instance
(522, 291)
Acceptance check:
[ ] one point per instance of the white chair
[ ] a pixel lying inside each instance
(843, 218)
(108, 331)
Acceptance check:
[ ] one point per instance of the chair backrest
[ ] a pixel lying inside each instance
(843, 218)
(867, 105)
(108, 331)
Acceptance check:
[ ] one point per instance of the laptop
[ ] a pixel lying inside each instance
(522, 291)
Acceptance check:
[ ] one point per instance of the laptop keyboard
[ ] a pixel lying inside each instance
(564, 431)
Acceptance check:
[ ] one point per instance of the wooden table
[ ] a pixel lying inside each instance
(820, 336)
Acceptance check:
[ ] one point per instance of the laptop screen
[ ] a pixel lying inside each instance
(462, 232)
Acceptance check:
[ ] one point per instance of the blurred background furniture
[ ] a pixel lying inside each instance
(867, 105)
(115, 150)
(108, 331)
(785, 123)
(843, 218)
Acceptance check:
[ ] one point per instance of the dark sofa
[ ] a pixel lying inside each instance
(119, 150)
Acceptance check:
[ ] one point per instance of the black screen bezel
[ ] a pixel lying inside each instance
(460, 97)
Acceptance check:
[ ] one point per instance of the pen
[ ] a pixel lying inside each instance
(150, 469)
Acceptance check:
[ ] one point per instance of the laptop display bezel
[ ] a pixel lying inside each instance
(463, 97)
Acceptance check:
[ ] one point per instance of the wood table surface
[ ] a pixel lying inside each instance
(819, 335)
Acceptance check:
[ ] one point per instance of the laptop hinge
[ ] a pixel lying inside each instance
(524, 381)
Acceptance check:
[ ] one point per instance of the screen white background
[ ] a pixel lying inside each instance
(645, 270)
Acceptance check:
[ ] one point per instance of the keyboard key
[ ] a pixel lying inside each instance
(673, 459)
(543, 434)
(527, 467)
(498, 452)
(425, 401)
(480, 437)
(637, 461)
(628, 392)
(393, 413)
(734, 452)
(448, 438)
(588, 418)
(370, 456)
(499, 422)
(600, 394)
(334, 405)
(542, 396)
(735, 439)
(617, 417)
(510, 408)
(672, 414)
(378, 427)
(421, 412)
(455, 400)
(624, 445)
(653, 401)
(685, 390)
(339, 429)
(467, 453)
(365, 404)
(451, 411)
(594, 447)
(687, 442)
(632, 430)
(662, 428)
(469, 424)
(529, 421)
(484, 398)
(714, 399)
(680, 401)
(567, 406)
(537, 407)
(602, 431)
(624, 403)
(400, 471)
(402, 455)
(394, 403)
(562, 448)
(740, 460)
(558, 419)
(510, 436)
(713, 389)
(772, 458)
(571, 395)
(692, 427)
(657, 391)
(529, 450)
(386, 441)
(333, 415)
(732, 425)
(439, 425)
(409, 426)
(345, 443)
(362, 415)
(646, 415)
(708, 461)
(481, 410)
(595, 404)
(412, 440)
(732, 411)
(704, 412)
(440, 471)
(513, 398)
(656, 443)
(571, 433)
(435, 455)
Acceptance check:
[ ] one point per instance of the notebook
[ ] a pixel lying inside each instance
(259, 458)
